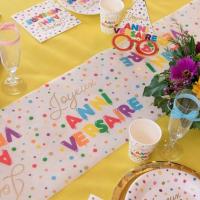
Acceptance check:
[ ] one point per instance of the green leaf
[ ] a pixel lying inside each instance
(196, 58)
(156, 87)
(192, 46)
(162, 103)
(195, 125)
(172, 63)
(179, 53)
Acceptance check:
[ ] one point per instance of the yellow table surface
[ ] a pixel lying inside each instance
(43, 62)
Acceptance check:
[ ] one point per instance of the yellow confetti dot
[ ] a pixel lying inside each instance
(38, 146)
(138, 69)
(61, 149)
(160, 173)
(117, 86)
(120, 131)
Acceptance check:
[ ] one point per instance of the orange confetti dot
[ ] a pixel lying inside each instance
(33, 141)
(50, 153)
(54, 124)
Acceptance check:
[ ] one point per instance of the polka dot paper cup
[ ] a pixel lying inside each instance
(144, 135)
(110, 14)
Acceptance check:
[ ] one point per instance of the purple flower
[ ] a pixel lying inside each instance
(184, 69)
(198, 47)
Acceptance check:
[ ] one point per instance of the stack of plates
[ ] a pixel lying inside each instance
(159, 181)
(85, 7)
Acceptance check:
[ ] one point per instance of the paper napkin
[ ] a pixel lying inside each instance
(46, 20)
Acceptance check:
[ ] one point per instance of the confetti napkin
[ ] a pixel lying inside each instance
(46, 20)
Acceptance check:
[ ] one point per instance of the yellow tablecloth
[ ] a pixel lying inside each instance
(43, 62)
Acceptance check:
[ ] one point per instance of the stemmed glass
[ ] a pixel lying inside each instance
(185, 110)
(10, 56)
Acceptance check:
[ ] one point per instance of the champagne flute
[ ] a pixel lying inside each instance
(185, 110)
(10, 57)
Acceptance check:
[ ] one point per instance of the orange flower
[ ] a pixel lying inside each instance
(196, 88)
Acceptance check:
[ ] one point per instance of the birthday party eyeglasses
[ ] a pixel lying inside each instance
(146, 47)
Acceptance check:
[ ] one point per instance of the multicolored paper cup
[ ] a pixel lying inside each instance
(110, 13)
(144, 135)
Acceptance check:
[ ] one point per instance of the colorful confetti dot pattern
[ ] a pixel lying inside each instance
(86, 7)
(164, 184)
(138, 14)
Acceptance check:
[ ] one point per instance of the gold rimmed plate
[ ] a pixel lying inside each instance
(129, 186)
(84, 7)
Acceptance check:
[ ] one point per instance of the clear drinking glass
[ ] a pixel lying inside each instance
(179, 126)
(10, 57)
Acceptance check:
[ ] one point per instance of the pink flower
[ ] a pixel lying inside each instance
(185, 69)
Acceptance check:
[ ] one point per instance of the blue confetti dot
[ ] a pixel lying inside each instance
(71, 157)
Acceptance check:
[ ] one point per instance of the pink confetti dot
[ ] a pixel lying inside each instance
(34, 165)
(44, 115)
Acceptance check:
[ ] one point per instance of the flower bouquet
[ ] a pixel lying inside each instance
(183, 73)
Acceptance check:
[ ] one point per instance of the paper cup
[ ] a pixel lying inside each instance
(110, 13)
(144, 134)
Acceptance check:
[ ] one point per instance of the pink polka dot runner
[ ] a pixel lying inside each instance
(56, 133)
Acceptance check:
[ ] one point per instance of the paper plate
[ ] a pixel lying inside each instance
(159, 181)
(164, 184)
(86, 7)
